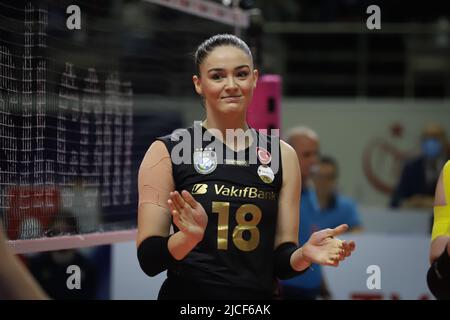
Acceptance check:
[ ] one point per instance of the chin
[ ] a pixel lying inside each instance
(231, 107)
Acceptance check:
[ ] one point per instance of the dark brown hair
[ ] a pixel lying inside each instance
(205, 48)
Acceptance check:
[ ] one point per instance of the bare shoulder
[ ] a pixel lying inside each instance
(155, 153)
(291, 168)
(158, 146)
(286, 149)
(288, 153)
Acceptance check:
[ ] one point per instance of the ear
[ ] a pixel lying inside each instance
(197, 85)
(255, 77)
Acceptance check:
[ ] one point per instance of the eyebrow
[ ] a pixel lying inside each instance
(221, 69)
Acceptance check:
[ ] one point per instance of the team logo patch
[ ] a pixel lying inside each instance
(266, 174)
(205, 161)
(264, 156)
(199, 188)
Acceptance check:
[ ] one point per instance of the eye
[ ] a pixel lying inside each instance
(242, 74)
(216, 76)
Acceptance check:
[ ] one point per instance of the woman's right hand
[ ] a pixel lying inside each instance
(188, 214)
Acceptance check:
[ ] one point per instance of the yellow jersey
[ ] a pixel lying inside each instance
(441, 224)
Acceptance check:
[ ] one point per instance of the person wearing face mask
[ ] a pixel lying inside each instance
(416, 186)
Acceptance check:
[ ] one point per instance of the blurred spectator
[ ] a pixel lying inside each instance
(335, 209)
(418, 179)
(321, 207)
(310, 285)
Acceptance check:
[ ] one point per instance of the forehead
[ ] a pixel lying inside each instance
(434, 131)
(226, 57)
(304, 142)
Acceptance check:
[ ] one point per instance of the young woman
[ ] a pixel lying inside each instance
(235, 222)
(438, 276)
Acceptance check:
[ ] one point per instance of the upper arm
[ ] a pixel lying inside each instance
(439, 195)
(438, 246)
(155, 182)
(439, 243)
(289, 198)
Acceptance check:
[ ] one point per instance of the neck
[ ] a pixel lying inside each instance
(222, 123)
(306, 182)
(323, 200)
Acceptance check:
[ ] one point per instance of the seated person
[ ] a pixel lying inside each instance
(418, 179)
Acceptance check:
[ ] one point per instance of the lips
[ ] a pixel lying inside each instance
(231, 99)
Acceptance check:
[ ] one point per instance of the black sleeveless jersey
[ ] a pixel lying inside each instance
(239, 193)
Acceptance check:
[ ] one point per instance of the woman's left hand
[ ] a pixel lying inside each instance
(323, 248)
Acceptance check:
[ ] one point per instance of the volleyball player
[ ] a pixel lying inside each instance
(235, 223)
(438, 276)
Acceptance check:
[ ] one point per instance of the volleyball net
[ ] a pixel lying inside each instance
(71, 141)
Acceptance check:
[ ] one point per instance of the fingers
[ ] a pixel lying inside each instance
(177, 200)
(335, 244)
(172, 208)
(352, 246)
(345, 252)
(183, 199)
(189, 199)
(330, 233)
(345, 248)
(333, 262)
(338, 250)
(339, 230)
(181, 209)
(325, 233)
(178, 218)
(348, 248)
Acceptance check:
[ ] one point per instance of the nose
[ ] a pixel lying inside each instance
(230, 84)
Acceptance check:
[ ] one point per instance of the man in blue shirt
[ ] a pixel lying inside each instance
(317, 210)
(306, 144)
(335, 209)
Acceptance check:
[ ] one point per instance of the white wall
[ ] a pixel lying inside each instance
(402, 261)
